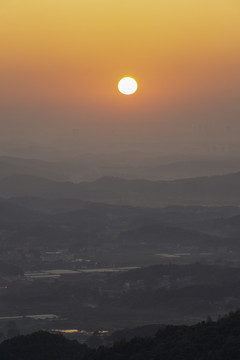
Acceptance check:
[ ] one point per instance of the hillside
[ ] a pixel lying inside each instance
(215, 190)
(204, 341)
(10, 166)
(126, 165)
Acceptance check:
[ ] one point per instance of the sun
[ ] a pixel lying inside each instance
(127, 86)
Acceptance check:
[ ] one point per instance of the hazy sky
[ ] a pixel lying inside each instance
(61, 60)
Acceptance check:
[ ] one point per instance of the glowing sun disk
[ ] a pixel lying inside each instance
(127, 86)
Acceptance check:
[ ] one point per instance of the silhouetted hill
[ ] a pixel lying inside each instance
(44, 235)
(73, 222)
(128, 165)
(227, 227)
(216, 190)
(208, 340)
(42, 346)
(50, 206)
(162, 236)
(11, 212)
(10, 166)
(128, 334)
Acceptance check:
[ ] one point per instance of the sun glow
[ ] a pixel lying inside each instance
(127, 86)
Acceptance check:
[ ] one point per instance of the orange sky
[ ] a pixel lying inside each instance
(71, 54)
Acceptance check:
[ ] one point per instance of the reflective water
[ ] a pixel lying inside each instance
(58, 272)
(35, 317)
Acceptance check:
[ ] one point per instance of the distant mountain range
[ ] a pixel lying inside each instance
(215, 190)
(129, 166)
(10, 166)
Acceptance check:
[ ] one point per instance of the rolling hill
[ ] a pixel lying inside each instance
(215, 190)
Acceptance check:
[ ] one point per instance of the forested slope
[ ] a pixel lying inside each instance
(208, 340)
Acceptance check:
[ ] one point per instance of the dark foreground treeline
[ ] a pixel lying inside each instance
(205, 341)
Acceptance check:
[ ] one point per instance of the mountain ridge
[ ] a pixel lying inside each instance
(211, 190)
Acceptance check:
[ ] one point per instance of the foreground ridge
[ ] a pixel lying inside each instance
(208, 340)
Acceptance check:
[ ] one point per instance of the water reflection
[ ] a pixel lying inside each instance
(58, 272)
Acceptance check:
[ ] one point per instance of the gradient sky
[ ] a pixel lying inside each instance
(61, 60)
